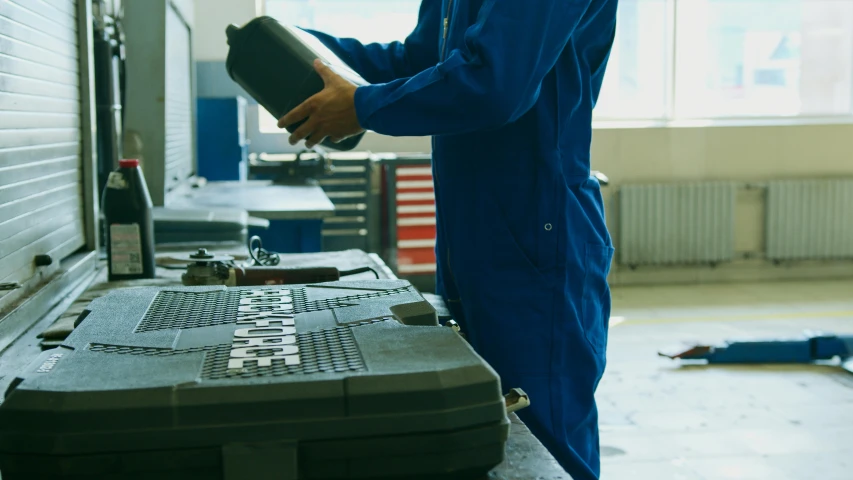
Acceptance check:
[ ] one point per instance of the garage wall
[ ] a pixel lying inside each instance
(740, 153)
(211, 19)
(159, 122)
(41, 193)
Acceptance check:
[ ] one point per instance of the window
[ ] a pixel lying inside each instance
(673, 59)
(367, 20)
(746, 58)
(637, 81)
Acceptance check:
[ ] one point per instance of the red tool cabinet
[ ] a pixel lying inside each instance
(410, 217)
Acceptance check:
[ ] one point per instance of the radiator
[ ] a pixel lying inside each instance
(673, 224)
(810, 219)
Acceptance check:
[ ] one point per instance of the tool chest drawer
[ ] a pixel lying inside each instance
(410, 200)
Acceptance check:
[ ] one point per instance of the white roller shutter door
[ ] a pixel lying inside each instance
(41, 198)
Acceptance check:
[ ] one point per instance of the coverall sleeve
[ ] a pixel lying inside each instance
(385, 62)
(492, 80)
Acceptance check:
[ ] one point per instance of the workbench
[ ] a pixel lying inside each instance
(526, 457)
(295, 212)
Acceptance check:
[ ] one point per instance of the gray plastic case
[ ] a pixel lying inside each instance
(200, 226)
(142, 389)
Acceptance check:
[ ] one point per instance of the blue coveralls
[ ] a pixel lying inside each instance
(523, 250)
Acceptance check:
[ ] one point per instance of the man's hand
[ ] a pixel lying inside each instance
(330, 113)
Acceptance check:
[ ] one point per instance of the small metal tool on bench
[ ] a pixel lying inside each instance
(516, 399)
(205, 268)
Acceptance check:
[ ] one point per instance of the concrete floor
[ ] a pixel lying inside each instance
(661, 421)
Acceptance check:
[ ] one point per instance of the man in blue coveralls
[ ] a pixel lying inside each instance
(506, 89)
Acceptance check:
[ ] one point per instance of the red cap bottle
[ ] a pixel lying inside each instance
(129, 228)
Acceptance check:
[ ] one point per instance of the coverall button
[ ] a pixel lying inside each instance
(548, 227)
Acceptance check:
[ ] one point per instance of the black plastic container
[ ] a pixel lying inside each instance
(200, 383)
(274, 63)
(129, 223)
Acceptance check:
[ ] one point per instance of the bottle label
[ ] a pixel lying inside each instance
(116, 181)
(125, 249)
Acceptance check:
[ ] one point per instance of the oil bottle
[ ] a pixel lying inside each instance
(274, 63)
(129, 224)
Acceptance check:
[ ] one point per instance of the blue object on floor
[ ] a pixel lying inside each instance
(222, 146)
(292, 236)
(810, 348)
